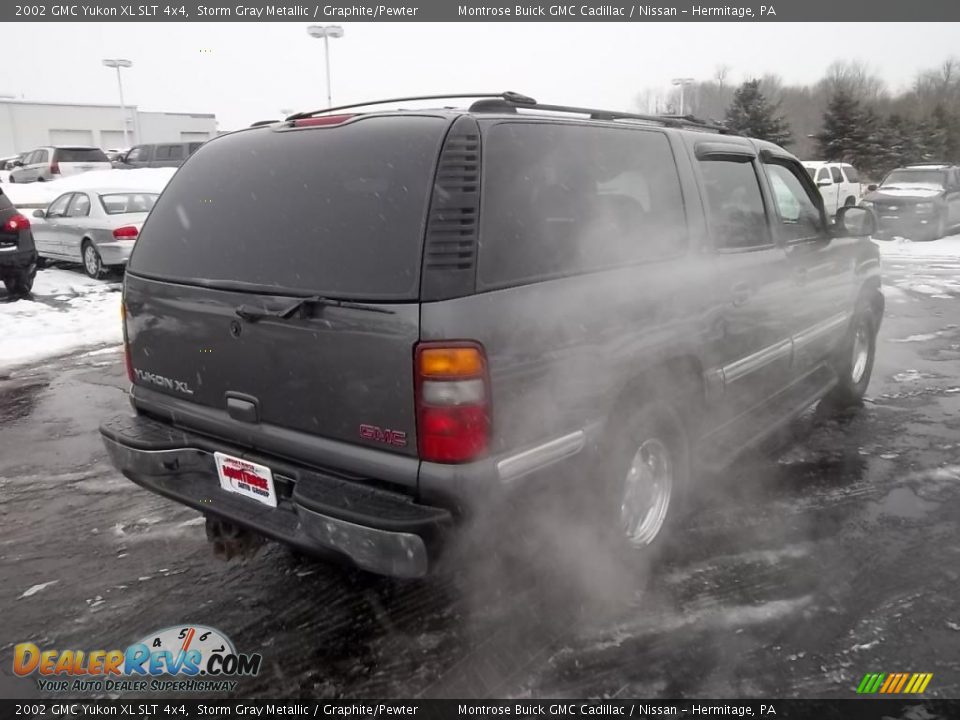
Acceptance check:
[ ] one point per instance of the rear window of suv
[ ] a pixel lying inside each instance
(337, 210)
(67, 155)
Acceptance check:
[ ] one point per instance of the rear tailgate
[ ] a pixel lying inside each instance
(256, 221)
(77, 160)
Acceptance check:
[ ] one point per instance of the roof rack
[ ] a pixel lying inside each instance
(510, 101)
(505, 96)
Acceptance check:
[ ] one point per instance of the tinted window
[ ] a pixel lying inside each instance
(559, 199)
(169, 152)
(835, 174)
(58, 208)
(120, 203)
(40, 156)
(798, 215)
(335, 210)
(138, 154)
(851, 173)
(735, 204)
(812, 172)
(81, 155)
(80, 207)
(822, 175)
(193, 147)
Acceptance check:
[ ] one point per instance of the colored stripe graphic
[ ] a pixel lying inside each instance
(894, 683)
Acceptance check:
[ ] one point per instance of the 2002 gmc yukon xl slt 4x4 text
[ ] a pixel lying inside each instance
(352, 332)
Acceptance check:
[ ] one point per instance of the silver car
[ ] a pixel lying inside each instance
(96, 228)
(55, 161)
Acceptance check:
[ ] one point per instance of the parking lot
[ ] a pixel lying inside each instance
(802, 568)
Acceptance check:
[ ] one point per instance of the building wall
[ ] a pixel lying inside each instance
(27, 125)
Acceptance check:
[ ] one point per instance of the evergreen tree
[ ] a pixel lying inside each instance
(949, 124)
(751, 114)
(843, 135)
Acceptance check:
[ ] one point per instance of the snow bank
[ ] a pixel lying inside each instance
(68, 310)
(38, 194)
(947, 247)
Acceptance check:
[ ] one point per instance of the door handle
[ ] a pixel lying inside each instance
(740, 293)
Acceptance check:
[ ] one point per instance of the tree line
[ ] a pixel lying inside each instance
(848, 116)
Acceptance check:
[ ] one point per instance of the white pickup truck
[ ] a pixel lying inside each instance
(839, 184)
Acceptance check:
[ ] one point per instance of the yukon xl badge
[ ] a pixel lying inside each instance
(397, 438)
(163, 382)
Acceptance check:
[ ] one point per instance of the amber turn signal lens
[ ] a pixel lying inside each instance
(451, 362)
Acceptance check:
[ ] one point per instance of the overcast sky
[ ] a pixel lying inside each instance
(250, 71)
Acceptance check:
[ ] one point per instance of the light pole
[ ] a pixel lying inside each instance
(682, 82)
(121, 63)
(326, 32)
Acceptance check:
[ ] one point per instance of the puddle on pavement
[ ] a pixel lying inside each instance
(901, 502)
(17, 401)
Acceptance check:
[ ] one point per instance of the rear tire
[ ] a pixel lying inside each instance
(21, 283)
(854, 363)
(92, 263)
(645, 472)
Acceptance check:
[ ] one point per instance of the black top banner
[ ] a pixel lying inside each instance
(488, 11)
(852, 709)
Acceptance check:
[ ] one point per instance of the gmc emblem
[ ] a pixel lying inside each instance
(397, 438)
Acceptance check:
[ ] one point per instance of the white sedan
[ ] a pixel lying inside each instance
(96, 228)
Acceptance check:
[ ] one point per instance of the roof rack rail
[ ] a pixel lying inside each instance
(509, 102)
(506, 104)
(508, 96)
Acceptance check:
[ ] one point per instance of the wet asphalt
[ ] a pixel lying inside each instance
(834, 553)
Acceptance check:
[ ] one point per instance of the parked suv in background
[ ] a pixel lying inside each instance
(839, 184)
(921, 202)
(427, 313)
(49, 163)
(18, 256)
(157, 155)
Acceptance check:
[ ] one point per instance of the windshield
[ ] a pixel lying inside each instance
(336, 211)
(121, 203)
(914, 177)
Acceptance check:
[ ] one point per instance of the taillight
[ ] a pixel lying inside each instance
(127, 362)
(453, 401)
(322, 120)
(126, 232)
(16, 223)
(54, 168)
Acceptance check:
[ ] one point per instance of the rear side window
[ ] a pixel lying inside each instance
(835, 173)
(122, 203)
(737, 215)
(335, 210)
(851, 173)
(138, 154)
(562, 199)
(66, 155)
(170, 152)
(79, 206)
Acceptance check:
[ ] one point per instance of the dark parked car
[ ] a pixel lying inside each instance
(921, 202)
(428, 314)
(156, 155)
(18, 256)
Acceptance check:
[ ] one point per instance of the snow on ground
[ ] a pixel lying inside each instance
(67, 310)
(947, 247)
(39, 194)
(4, 176)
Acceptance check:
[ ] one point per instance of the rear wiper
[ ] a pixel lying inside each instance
(252, 314)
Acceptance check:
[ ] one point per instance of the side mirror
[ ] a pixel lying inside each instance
(824, 183)
(855, 221)
(871, 187)
(17, 163)
(39, 213)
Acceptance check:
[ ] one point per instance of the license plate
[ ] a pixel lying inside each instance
(246, 478)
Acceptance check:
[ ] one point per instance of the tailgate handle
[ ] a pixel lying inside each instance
(244, 408)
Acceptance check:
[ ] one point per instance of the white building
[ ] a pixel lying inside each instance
(25, 125)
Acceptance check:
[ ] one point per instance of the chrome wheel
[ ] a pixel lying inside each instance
(91, 261)
(861, 353)
(647, 490)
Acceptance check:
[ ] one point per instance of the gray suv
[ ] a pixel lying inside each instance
(426, 314)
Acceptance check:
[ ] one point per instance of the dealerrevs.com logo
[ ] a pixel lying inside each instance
(180, 658)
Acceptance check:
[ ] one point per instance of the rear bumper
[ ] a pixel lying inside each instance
(16, 259)
(378, 530)
(115, 253)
